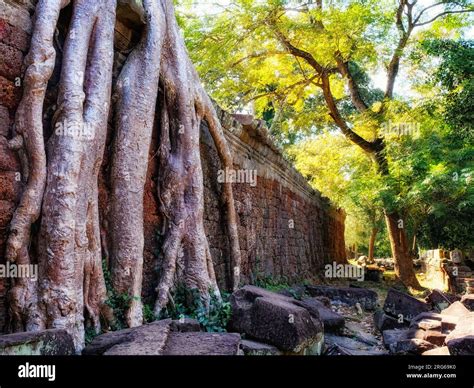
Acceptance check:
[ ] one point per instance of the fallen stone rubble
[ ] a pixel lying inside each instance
(42, 343)
(165, 337)
(318, 320)
(442, 324)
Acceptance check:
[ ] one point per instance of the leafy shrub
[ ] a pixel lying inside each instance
(187, 303)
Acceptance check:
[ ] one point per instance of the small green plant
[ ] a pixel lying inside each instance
(118, 302)
(187, 303)
(148, 313)
(90, 334)
(271, 283)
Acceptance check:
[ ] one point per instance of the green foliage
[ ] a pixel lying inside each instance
(148, 313)
(90, 334)
(455, 75)
(118, 302)
(272, 284)
(213, 316)
(245, 67)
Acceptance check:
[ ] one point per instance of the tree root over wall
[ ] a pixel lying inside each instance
(61, 176)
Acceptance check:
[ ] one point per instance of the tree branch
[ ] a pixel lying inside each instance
(367, 146)
(356, 98)
(443, 14)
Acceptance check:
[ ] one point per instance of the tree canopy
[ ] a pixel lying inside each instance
(371, 99)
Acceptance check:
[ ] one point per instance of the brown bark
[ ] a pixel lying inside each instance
(137, 90)
(39, 65)
(63, 187)
(398, 242)
(69, 254)
(181, 184)
(373, 235)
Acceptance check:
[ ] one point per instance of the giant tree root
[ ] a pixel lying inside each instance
(64, 190)
(137, 90)
(29, 125)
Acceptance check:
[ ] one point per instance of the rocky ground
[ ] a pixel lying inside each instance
(341, 318)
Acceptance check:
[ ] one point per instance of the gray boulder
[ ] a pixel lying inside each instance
(348, 295)
(52, 342)
(393, 336)
(254, 348)
(332, 321)
(275, 319)
(468, 301)
(165, 337)
(441, 351)
(202, 344)
(411, 346)
(440, 300)
(399, 304)
(384, 321)
(461, 340)
(457, 309)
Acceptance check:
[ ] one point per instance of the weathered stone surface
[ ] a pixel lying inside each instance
(12, 58)
(5, 121)
(457, 309)
(274, 319)
(411, 346)
(254, 348)
(435, 337)
(387, 263)
(384, 322)
(390, 337)
(10, 188)
(468, 301)
(338, 350)
(400, 304)
(53, 342)
(440, 300)
(415, 333)
(341, 345)
(148, 339)
(202, 344)
(359, 333)
(348, 295)
(165, 337)
(185, 325)
(461, 340)
(6, 211)
(8, 159)
(9, 94)
(426, 323)
(427, 316)
(332, 322)
(296, 292)
(448, 323)
(441, 351)
(13, 36)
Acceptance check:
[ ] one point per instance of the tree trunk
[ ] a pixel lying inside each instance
(63, 188)
(373, 235)
(400, 251)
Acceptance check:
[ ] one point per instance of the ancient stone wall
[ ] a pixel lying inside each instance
(286, 229)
